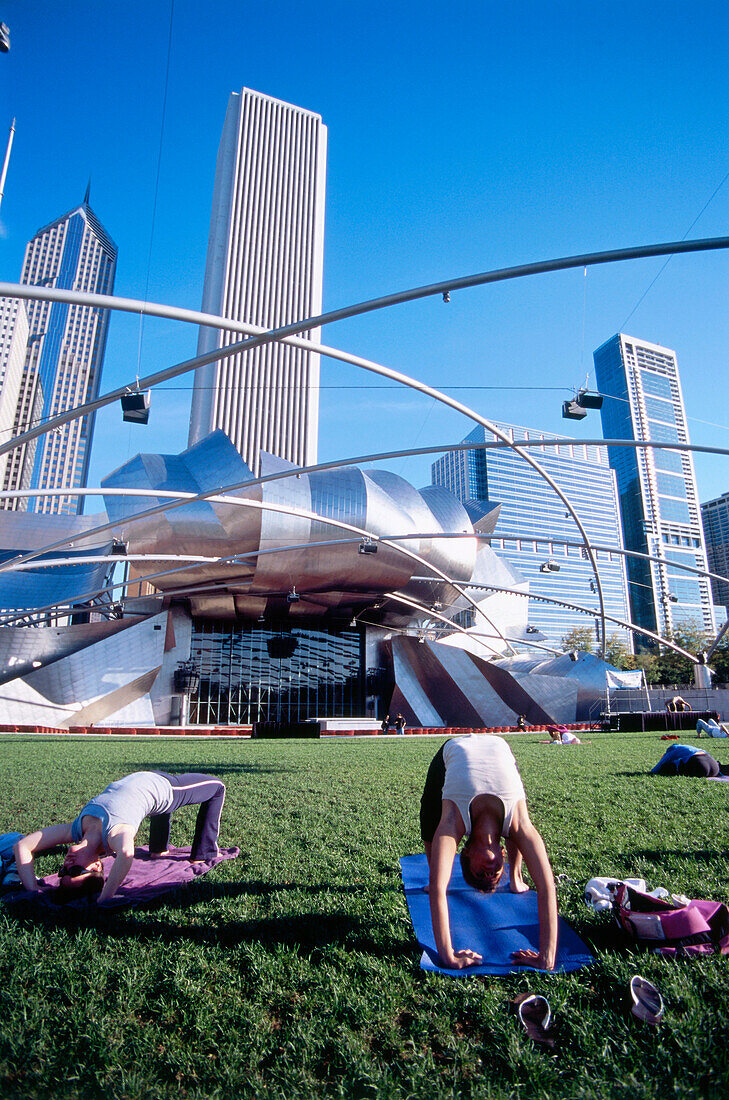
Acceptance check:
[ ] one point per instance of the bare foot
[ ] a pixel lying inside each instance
(159, 855)
(518, 886)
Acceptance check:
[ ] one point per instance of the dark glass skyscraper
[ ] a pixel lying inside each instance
(657, 488)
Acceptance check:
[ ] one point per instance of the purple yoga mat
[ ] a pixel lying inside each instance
(148, 879)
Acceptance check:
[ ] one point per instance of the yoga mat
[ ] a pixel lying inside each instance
(148, 879)
(721, 778)
(492, 924)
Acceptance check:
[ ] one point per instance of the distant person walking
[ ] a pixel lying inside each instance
(400, 724)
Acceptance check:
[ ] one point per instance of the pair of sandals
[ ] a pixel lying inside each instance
(536, 1016)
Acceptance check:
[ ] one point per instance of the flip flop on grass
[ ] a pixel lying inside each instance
(647, 1001)
(535, 1015)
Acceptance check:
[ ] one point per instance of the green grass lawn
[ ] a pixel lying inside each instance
(293, 971)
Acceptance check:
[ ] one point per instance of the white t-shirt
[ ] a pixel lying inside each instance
(481, 764)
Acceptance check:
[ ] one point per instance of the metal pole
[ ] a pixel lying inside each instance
(7, 159)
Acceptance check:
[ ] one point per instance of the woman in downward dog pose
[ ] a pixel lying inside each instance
(108, 824)
(473, 789)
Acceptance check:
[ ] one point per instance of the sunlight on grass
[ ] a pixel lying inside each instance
(293, 971)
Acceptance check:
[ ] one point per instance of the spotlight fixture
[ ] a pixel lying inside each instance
(588, 399)
(367, 546)
(572, 411)
(293, 596)
(549, 566)
(135, 406)
(585, 399)
(446, 296)
(532, 630)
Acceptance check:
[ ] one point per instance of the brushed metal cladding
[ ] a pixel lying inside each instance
(412, 696)
(456, 557)
(464, 690)
(53, 694)
(24, 531)
(326, 578)
(198, 528)
(428, 693)
(40, 586)
(467, 673)
(483, 514)
(273, 572)
(20, 646)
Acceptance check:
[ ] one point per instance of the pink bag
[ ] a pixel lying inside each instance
(698, 928)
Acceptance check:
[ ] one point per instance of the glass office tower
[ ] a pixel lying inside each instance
(715, 517)
(657, 488)
(66, 345)
(533, 528)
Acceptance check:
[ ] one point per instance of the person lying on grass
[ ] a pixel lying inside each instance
(473, 789)
(687, 760)
(108, 824)
(560, 735)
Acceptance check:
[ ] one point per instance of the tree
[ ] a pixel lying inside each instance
(719, 663)
(616, 653)
(672, 667)
(581, 639)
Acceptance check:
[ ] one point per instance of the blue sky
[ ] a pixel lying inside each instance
(462, 137)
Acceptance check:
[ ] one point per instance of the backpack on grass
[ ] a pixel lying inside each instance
(671, 928)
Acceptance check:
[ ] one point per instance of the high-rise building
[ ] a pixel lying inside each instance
(715, 516)
(13, 348)
(66, 345)
(264, 266)
(533, 530)
(657, 488)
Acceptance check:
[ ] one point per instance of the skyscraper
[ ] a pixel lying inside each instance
(13, 348)
(66, 345)
(533, 529)
(264, 266)
(715, 516)
(657, 488)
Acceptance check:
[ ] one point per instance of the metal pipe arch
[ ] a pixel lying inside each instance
(497, 275)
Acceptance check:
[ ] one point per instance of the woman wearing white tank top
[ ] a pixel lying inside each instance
(474, 789)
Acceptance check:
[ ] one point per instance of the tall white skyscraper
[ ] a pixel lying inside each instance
(657, 488)
(13, 348)
(264, 266)
(66, 345)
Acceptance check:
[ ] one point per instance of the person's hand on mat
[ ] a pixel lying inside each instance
(527, 957)
(459, 960)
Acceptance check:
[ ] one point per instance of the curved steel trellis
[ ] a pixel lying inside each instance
(379, 303)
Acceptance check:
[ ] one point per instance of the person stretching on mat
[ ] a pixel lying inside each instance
(473, 789)
(108, 824)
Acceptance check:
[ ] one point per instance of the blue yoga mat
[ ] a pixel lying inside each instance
(492, 924)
